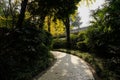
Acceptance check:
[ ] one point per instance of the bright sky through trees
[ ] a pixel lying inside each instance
(85, 11)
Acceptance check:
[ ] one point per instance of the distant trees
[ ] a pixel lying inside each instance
(8, 12)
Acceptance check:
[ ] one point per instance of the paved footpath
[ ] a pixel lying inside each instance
(67, 67)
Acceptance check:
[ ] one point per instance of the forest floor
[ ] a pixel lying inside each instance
(67, 67)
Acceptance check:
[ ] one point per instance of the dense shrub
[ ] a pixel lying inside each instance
(82, 46)
(101, 43)
(81, 42)
(59, 43)
(77, 41)
(104, 39)
(74, 40)
(23, 52)
(97, 40)
(82, 35)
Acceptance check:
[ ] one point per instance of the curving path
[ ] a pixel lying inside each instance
(67, 67)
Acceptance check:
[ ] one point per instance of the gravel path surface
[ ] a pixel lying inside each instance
(67, 67)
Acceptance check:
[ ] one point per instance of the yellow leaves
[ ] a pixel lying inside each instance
(27, 15)
(73, 16)
(56, 27)
(2, 18)
(87, 2)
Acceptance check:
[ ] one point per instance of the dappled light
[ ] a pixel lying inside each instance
(67, 67)
(86, 32)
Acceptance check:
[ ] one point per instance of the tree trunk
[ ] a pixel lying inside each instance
(22, 13)
(49, 20)
(67, 26)
(6, 16)
(12, 14)
(41, 24)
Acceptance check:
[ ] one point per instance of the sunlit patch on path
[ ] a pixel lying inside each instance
(67, 67)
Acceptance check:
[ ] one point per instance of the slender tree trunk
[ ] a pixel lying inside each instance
(41, 24)
(6, 16)
(67, 26)
(49, 20)
(22, 13)
(12, 14)
(6, 21)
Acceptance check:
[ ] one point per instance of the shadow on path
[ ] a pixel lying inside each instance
(67, 67)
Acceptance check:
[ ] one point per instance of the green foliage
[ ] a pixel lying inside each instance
(76, 20)
(82, 46)
(104, 39)
(104, 68)
(82, 35)
(8, 13)
(73, 41)
(97, 40)
(60, 9)
(81, 41)
(77, 42)
(23, 53)
(59, 43)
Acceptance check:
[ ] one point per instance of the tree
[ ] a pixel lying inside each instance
(112, 21)
(105, 29)
(8, 12)
(56, 28)
(22, 13)
(49, 21)
(39, 9)
(65, 10)
(29, 47)
(87, 2)
(5, 11)
(60, 9)
(13, 7)
(103, 36)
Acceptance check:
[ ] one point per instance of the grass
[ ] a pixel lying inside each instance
(95, 62)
